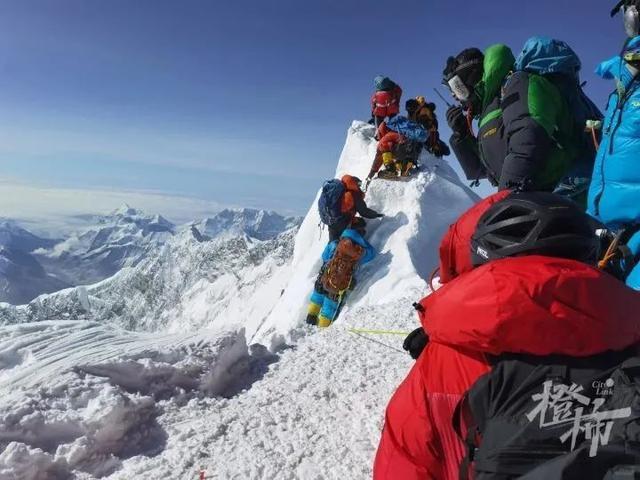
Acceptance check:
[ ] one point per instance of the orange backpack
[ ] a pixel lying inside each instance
(338, 272)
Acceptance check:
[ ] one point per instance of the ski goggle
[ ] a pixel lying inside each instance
(632, 57)
(458, 88)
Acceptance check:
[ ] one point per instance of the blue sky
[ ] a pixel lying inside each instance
(244, 102)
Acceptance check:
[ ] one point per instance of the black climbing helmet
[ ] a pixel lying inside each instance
(535, 223)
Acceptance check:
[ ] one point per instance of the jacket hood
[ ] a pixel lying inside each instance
(535, 305)
(350, 183)
(498, 62)
(455, 247)
(615, 66)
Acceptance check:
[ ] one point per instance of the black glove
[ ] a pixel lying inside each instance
(415, 342)
(457, 121)
(380, 215)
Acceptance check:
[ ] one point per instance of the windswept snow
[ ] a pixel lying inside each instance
(86, 400)
(81, 398)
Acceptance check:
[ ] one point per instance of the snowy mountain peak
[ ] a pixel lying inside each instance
(126, 214)
(126, 210)
(257, 224)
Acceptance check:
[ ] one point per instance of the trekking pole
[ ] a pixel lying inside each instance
(443, 99)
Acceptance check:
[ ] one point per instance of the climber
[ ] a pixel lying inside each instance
(423, 113)
(614, 197)
(340, 260)
(390, 142)
(339, 202)
(518, 278)
(399, 147)
(531, 125)
(385, 102)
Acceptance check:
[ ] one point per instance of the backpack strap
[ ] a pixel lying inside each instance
(470, 449)
(469, 440)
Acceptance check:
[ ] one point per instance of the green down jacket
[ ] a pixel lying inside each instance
(525, 134)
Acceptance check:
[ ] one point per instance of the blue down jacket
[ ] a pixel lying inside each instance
(614, 194)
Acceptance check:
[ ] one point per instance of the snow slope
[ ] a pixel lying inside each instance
(159, 405)
(79, 398)
(416, 215)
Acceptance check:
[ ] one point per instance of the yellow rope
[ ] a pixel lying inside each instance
(378, 332)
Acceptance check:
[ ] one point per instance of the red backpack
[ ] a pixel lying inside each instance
(383, 102)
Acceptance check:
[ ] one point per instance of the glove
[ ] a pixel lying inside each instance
(457, 121)
(415, 342)
(380, 215)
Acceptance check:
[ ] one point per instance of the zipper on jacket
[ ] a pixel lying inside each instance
(620, 103)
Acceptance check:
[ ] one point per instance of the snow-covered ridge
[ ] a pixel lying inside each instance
(416, 212)
(188, 283)
(204, 397)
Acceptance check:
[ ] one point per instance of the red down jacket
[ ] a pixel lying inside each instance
(385, 103)
(534, 304)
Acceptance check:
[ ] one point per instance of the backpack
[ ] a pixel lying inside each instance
(329, 203)
(382, 102)
(536, 414)
(407, 152)
(411, 130)
(556, 61)
(339, 270)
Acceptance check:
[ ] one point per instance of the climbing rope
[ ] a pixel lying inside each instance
(379, 343)
(378, 332)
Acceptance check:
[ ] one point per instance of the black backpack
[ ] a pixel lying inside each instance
(515, 433)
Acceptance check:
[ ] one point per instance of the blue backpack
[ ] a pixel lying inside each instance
(330, 201)
(411, 130)
(556, 61)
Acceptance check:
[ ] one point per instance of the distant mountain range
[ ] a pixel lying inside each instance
(31, 265)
